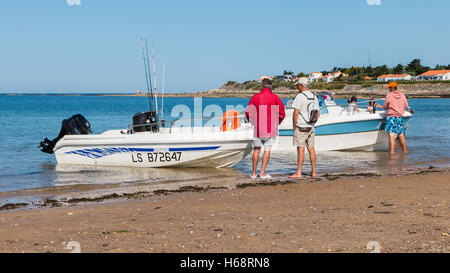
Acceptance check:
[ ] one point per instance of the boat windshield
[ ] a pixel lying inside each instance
(326, 96)
(325, 99)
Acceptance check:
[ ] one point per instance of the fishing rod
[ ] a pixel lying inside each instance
(150, 104)
(154, 82)
(149, 71)
(163, 89)
(163, 120)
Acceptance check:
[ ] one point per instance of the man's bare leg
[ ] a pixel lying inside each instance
(255, 159)
(300, 158)
(402, 140)
(265, 161)
(391, 143)
(312, 158)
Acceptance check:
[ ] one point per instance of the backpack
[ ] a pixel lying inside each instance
(312, 112)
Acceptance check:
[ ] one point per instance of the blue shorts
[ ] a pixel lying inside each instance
(395, 125)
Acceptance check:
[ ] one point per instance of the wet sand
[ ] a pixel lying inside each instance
(404, 213)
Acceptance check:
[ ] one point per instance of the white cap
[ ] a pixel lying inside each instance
(303, 81)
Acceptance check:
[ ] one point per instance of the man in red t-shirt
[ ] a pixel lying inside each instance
(265, 111)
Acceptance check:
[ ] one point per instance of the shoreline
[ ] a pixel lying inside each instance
(60, 196)
(377, 90)
(284, 95)
(337, 213)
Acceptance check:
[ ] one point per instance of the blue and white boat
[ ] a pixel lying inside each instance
(338, 129)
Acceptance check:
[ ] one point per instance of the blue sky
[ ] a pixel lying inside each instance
(51, 46)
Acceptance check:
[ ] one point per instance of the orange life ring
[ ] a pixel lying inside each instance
(230, 120)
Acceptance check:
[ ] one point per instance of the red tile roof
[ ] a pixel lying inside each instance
(435, 72)
(393, 76)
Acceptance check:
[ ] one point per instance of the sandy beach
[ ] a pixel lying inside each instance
(404, 213)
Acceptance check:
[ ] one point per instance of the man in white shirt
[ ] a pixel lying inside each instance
(304, 131)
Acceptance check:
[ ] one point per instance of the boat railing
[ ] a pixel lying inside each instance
(365, 103)
(207, 119)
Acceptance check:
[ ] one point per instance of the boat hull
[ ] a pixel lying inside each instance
(341, 132)
(176, 149)
(152, 156)
(366, 141)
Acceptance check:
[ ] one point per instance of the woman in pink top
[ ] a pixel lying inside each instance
(395, 105)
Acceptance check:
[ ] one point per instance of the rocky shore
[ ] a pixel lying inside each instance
(426, 90)
(419, 90)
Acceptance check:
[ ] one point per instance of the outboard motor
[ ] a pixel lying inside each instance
(146, 122)
(75, 125)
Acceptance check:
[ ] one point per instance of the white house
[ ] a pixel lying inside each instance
(286, 78)
(337, 74)
(327, 78)
(331, 77)
(394, 77)
(434, 75)
(314, 76)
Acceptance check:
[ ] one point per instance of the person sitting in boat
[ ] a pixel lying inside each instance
(372, 106)
(395, 105)
(265, 111)
(352, 107)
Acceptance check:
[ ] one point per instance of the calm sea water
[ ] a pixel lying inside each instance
(25, 120)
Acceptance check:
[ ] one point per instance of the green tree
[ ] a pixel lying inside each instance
(380, 70)
(440, 67)
(285, 72)
(369, 71)
(399, 69)
(416, 68)
(301, 74)
(336, 69)
(352, 71)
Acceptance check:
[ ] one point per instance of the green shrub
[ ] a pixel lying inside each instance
(230, 83)
(327, 85)
(280, 84)
(367, 84)
(252, 85)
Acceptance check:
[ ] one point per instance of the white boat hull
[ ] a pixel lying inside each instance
(200, 147)
(336, 131)
(367, 141)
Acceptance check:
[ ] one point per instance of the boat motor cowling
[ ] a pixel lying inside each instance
(75, 125)
(146, 122)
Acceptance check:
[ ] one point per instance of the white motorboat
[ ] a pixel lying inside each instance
(338, 129)
(147, 145)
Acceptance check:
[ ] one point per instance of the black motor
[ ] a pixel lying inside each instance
(75, 125)
(146, 122)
